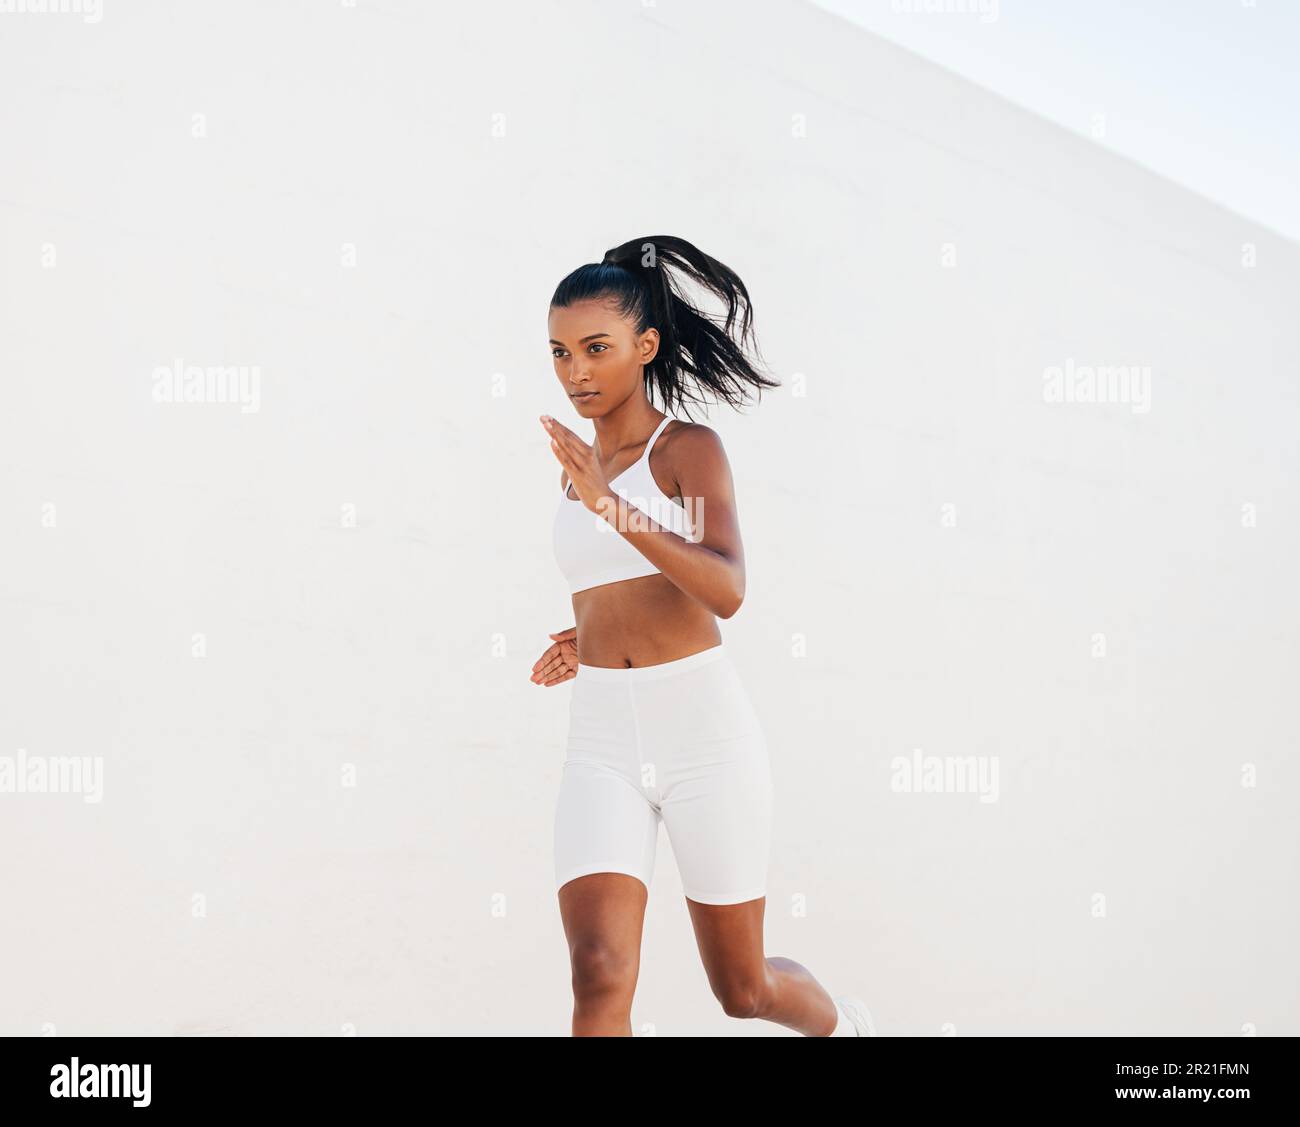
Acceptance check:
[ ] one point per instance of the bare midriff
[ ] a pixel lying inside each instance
(642, 621)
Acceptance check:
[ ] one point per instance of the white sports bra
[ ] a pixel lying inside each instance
(591, 551)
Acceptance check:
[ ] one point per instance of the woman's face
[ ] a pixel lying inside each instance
(598, 355)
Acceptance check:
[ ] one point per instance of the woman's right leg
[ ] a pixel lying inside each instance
(603, 915)
(606, 830)
(605, 836)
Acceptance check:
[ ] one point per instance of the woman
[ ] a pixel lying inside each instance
(660, 725)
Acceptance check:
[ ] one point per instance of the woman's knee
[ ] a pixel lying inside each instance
(742, 995)
(600, 967)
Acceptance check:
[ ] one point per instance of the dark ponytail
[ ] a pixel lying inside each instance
(635, 277)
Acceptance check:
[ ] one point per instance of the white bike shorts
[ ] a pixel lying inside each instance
(677, 742)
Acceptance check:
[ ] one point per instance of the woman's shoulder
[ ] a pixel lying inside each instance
(691, 438)
(692, 448)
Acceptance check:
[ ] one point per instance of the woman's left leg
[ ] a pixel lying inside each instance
(703, 756)
(749, 984)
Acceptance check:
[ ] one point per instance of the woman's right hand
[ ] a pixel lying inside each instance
(581, 464)
(560, 662)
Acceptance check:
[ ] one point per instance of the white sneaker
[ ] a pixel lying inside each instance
(857, 1013)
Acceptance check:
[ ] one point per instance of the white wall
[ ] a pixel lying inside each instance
(409, 386)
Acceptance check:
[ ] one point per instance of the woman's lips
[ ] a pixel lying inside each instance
(585, 394)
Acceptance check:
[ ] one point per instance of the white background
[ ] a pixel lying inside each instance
(1125, 881)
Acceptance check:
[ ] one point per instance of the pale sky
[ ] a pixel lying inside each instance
(1204, 92)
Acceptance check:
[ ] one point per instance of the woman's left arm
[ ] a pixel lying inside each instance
(710, 568)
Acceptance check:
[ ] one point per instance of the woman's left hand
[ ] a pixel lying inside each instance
(580, 462)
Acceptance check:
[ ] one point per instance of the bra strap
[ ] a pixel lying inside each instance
(654, 438)
(645, 454)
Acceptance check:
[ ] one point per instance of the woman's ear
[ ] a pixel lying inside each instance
(649, 345)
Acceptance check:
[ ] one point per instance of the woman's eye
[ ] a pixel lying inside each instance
(557, 352)
(600, 346)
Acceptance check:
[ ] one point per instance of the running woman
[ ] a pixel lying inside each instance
(660, 725)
